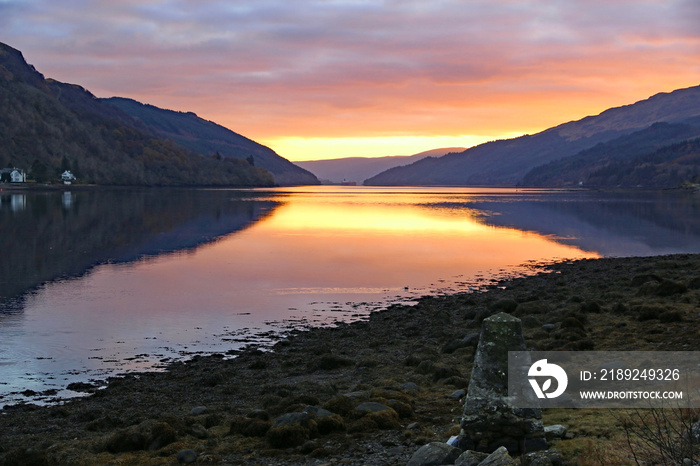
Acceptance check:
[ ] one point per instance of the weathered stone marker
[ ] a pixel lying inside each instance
(489, 421)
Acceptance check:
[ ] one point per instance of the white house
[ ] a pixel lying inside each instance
(13, 175)
(18, 176)
(67, 177)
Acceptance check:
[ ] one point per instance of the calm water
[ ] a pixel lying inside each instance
(95, 283)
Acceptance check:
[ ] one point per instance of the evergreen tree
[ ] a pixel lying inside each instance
(65, 164)
(39, 171)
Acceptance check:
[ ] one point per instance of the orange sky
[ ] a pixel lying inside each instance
(335, 78)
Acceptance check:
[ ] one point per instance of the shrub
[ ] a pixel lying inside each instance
(661, 435)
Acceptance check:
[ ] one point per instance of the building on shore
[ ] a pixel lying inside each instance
(13, 175)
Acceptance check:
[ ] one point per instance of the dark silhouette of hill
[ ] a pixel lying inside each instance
(360, 168)
(507, 162)
(47, 127)
(664, 155)
(208, 138)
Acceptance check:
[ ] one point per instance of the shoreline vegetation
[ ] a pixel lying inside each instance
(412, 360)
(38, 187)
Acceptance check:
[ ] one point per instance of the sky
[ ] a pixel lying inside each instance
(317, 79)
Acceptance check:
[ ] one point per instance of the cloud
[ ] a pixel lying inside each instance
(308, 68)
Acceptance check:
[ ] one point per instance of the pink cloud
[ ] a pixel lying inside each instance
(343, 68)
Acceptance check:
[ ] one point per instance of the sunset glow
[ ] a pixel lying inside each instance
(324, 79)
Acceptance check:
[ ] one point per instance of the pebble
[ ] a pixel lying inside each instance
(198, 410)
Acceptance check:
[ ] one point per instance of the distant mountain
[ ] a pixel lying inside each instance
(359, 169)
(208, 138)
(507, 162)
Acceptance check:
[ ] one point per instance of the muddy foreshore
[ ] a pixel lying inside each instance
(411, 358)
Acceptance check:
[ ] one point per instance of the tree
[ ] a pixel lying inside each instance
(65, 164)
(39, 171)
(76, 170)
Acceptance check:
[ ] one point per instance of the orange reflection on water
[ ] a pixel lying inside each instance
(355, 241)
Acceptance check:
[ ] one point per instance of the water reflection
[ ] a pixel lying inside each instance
(610, 224)
(49, 235)
(81, 302)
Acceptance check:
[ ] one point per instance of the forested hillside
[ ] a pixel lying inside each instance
(509, 162)
(47, 127)
(658, 156)
(208, 138)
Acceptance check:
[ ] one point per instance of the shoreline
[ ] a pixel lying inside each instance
(31, 186)
(411, 358)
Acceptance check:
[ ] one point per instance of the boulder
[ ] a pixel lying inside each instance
(542, 458)
(499, 457)
(471, 458)
(556, 431)
(434, 454)
(149, 435)
(291, 430)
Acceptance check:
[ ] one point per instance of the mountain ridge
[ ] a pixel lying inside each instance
(47, 126)
(359, 169)
(209, 138)
(506, 162)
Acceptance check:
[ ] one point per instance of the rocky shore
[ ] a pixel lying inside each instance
(370, 392)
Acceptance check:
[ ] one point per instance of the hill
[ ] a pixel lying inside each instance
(360, 168)
(664, 155)
(47, 126)
(507, 162)
(208, 138)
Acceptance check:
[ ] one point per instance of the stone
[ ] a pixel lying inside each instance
(505, 305)
(149, 435)
(500, 333)
(291, 430)
(458, 394)
(317, 412)
(409, 386)
(500, 457)
(693, 434)
(470, 340)
(434, 454)
(291, 419)
(186, 456)
(326, 421)
(556, 431)
(542, 458)
(488, 420)
(471, 458)
(372, 407)
(198, 410)
(199, 431)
